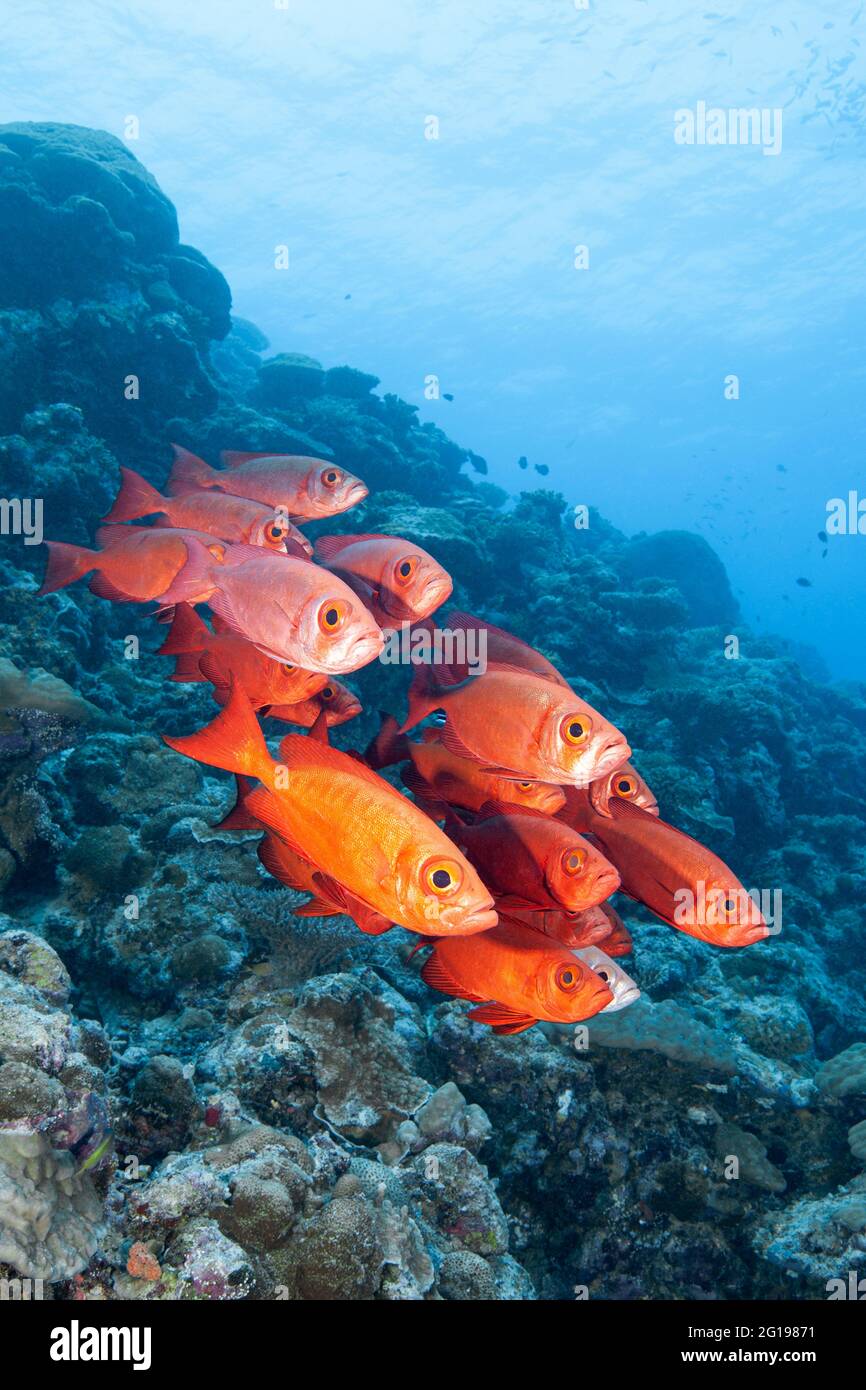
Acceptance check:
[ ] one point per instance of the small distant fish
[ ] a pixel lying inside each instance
(822, 537)
(347, 296)
(804, 583)
(541, 468)
(447, 396)
(780, 468)
(523, 462)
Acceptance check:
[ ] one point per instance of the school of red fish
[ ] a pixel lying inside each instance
(523, 815)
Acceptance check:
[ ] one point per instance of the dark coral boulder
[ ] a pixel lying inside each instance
(693, 566)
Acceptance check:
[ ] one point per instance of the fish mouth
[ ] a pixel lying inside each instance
(622, 1000)
(469, 923)
(614, 753)
(747, 936)
(355, 494)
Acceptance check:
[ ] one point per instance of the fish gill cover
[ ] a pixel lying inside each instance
(213, 1085)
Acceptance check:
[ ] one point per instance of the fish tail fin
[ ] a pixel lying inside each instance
(66, 563)
(188, 633)
(135, 499)
(388, 747)
(239, 818)
(187, 669)
(189, 473)
(232, 741)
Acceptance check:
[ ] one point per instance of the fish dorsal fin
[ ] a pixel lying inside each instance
(299, 750)
(434, 974)
(329, 546)
(233, 458)
(502, 1019)
(266, 809)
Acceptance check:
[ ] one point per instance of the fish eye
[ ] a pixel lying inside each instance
(625, 786)
(330, 477)
(405, 569)
(730, 904)
(576, 729)
(566, 978)
(573, 861)
(287, 668)
(276, 532)
(442, 877)
(332, 615)
(327, 693)
(525, 786)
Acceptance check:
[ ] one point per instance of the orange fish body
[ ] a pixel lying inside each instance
(519, 723)
(217, 656)
(572, 929)
(137, 563)
(287, 607)
(237, 520)
(398, 581)
(529, 977)
(678, 879)
(377, 853)
(532, 860)
(300, 487)
(504, 649)
(440, 778)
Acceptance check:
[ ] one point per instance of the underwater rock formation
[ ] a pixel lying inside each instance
(296, 1114)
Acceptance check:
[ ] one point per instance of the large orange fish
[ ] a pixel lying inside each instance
(276, 856)
(235, 519)
(528, 976)
(529, 859)
(216, 656)
(289, 608)
(515, 722)
(136, 564)
(300, 487)
(439, 778)
(379, 858)
(397, 580)
(678, 879)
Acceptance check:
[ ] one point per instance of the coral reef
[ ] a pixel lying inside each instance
(296, 1115)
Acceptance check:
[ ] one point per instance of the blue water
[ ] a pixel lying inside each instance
(304, 126)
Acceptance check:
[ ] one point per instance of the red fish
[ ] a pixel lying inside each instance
(503, 648)
(528, 976)
(531, 860)
(136, 565)
(618, 942)
(379, 858)
(519, 724)
(290, 609)
(572, 929)
(678, 879)
(300, 487)
(216, 656)
(234, 519)
(439, 778)
(335, 701)
(397, 580)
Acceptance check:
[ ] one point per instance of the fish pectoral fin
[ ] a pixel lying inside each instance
(434, 974)
(366, 918)
(502, 1019)
(454, 743)
(519, 904)
(317, 907)
(266, 809)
